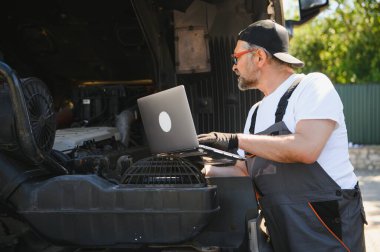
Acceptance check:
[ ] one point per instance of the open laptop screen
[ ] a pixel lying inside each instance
(167, 120)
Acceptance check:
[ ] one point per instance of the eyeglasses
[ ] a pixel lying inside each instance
(236, 56)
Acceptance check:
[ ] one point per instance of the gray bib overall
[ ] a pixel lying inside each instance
(303, 207)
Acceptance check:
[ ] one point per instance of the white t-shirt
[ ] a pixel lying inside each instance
(314, 98)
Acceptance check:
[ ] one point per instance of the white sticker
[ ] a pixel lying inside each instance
(164, 121)
(86, 101)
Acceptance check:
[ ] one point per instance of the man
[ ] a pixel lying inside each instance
(296, 141)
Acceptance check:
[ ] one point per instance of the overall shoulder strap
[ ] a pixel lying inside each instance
(253, 119)
(281, 107)
(283, 103)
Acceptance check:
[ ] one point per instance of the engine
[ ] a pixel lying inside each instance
(83, 188)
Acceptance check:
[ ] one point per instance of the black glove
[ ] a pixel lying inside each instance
(219, 140)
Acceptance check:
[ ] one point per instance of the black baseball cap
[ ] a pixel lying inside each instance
(271, 36)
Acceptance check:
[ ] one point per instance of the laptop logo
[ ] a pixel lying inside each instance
(165, 121)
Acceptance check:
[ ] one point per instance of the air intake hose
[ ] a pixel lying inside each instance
(18, 136)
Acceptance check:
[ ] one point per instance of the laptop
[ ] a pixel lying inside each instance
(170, 130)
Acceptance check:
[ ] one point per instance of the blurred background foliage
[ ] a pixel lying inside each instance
(343, 42)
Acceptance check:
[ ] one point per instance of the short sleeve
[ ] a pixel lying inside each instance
(318, 100)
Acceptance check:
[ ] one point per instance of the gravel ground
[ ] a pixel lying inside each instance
(369, 182)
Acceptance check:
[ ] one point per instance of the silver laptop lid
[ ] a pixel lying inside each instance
(167, 121)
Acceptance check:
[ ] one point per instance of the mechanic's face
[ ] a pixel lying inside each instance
(244, 66)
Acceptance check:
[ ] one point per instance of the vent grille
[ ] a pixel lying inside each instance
(215, 99)
(163, 171)
(40, 107)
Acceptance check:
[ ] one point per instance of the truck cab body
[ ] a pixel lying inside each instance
(75, 168)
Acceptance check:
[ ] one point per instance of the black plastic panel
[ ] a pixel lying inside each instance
(87, 210)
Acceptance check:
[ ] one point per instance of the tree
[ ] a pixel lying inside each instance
(343, 42)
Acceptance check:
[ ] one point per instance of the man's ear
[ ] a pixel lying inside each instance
(261, 57)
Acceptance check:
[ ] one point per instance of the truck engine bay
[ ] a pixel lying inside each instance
(76, 173)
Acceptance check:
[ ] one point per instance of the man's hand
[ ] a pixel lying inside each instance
(219, 140)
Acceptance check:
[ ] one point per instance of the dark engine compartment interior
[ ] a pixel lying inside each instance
(82, 65)
(83, 51)
(64, 42)
(110, 54)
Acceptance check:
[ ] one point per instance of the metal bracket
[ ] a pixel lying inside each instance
(270, 10)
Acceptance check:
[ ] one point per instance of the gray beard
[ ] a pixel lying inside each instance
(244, 84)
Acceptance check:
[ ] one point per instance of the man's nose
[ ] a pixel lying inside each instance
(234, 68)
